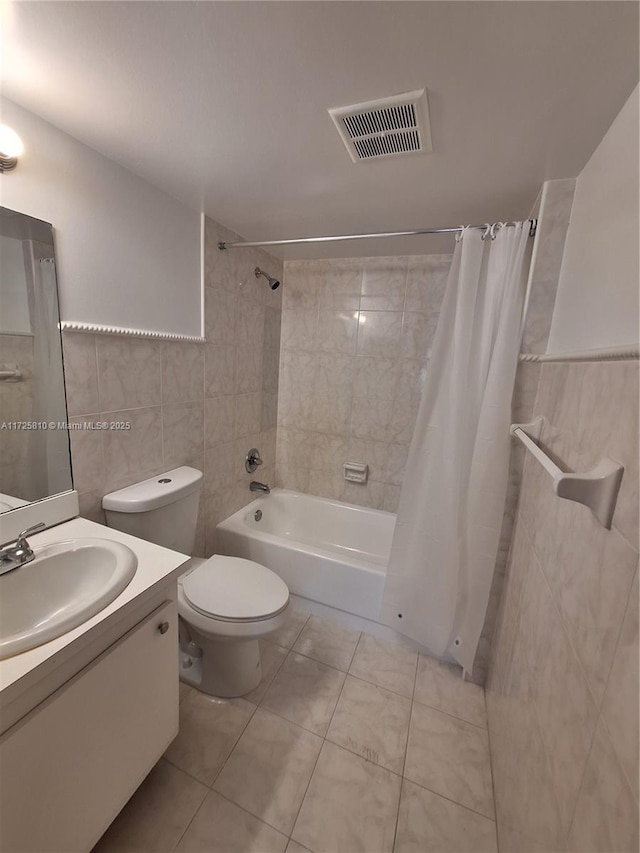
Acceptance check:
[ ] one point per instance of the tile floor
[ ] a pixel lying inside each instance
(349, 743)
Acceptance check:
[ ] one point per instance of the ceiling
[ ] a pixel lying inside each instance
(224, 104)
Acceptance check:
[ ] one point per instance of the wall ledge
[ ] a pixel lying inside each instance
(97, 329)
(628, 353)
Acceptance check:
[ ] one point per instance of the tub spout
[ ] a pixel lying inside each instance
(254, 486)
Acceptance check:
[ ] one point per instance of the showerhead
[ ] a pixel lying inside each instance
(274, 284)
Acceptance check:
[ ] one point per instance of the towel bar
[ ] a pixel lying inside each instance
(597, 489)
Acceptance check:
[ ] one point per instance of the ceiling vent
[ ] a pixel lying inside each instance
(389, 127)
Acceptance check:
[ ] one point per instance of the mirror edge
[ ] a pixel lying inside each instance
(52, 510)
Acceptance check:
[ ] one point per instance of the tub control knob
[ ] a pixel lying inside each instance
(252, 460)
(163, 627)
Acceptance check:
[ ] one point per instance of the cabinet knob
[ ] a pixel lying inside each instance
(163, 627)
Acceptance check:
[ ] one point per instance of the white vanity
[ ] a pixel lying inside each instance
(85, 716)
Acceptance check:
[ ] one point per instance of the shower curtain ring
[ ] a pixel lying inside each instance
(487, 230)
(460, 233)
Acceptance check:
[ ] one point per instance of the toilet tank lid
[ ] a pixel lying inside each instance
(155, 492)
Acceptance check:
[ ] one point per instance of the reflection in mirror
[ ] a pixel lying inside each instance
(34, 442)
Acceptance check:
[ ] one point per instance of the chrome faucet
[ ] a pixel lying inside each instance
(254, 486)
(19, 552)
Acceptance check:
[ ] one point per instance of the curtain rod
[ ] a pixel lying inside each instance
(486, 227)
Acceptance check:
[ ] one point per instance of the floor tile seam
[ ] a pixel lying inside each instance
(235, 743)
(450, 714)
(324, 740)
(293, 723)
(268, 690)
(377, 684)
(205, 795)
(186, 772)
(380, 687)
(413, 693)
(451, 800)
(353, 654)
(251, 814)
(195, 814)
(271, 680)
(493, 784)
(363, 757)
(183, 771)
(360, 633)
(406, 747)
(302, 627)
(317, 660)
(306, 790)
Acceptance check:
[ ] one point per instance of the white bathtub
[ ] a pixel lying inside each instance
(332, 553)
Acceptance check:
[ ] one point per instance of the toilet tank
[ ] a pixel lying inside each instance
(162, 509)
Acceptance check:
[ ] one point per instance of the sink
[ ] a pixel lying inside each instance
(67, 583)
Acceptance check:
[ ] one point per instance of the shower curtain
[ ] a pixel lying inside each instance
(452, 502)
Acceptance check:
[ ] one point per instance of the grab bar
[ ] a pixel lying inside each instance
(598, 489)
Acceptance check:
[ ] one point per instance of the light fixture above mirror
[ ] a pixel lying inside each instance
(11, 148)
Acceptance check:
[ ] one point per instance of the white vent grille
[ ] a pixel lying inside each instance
(388, 127)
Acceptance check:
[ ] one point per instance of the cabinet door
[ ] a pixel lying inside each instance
(71, 764)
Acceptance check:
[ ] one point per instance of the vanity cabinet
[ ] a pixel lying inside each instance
(71, 764)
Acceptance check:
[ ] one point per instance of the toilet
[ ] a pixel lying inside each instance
(225, 604)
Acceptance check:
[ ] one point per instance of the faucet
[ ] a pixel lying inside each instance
(19, 553)
(254, 486)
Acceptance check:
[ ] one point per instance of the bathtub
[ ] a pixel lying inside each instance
(328, 552)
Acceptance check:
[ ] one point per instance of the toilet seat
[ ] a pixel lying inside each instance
(234, 590)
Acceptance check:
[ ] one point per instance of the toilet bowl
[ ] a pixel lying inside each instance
(225, 604)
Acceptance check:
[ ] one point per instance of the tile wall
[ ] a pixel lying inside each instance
(553, 210)
(356, 338)
(195, 404)
(562, 693)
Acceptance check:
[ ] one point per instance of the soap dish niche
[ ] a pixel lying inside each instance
(356, 472)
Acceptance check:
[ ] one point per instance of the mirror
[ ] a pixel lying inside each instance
(35, 461)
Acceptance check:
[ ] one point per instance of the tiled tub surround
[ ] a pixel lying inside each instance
(350, 743)
(562, 695)
(356, 337)
(189, 404)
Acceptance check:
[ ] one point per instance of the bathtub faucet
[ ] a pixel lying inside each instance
(254, 486)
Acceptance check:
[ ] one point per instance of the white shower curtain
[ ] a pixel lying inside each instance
(450, 514)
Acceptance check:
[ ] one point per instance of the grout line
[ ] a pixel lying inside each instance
(452, 715)
(455, 802)
(493, 783)
(182, 770)
(251, 814)
(235, 743)
(406, 747)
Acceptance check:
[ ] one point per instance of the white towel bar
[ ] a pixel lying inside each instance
(597, 489)
(10, 374)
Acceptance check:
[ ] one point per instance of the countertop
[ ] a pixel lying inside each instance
(157, 568)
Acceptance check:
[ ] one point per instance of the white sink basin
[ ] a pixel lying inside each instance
(67, 583)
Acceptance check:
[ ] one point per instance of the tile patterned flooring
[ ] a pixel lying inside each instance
(350, 743)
